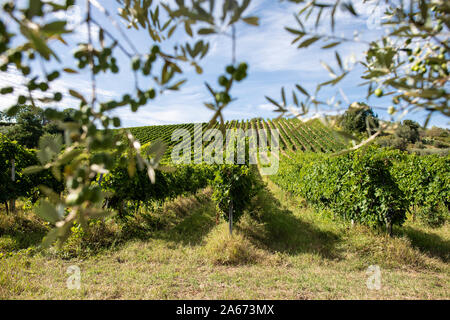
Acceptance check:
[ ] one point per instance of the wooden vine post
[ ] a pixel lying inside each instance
(230, 216)
(12, 201)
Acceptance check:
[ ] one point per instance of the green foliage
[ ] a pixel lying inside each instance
(28, 128)
(355, 186)
(419, 145)
(25, 185)
(372, 186)
(424, 180)
(393, 142)
(31, 123)
(434, 216)
(234, 188)
(359, 118)
(10, 151)
(409, 131)
(124, 187)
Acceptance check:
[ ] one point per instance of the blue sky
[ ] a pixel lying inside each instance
(273, 63)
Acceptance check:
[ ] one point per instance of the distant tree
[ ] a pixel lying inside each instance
(28, 128)
(69, 115)
(393, 142)
(412, 124)
(53, 127)
(359, 118)
(32, 122)
(409, 131)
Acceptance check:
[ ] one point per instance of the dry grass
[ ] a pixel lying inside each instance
(224, 249)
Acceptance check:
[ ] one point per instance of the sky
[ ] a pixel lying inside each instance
(273, 63)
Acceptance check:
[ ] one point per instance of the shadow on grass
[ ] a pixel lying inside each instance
(428, 243)
(185, 220)
(20, 232)
(193, 228)
(188, 222)
(284, 232)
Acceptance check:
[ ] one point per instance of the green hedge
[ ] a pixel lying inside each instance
(184, 179)
(425, 181)
(25, 185)
(372, 186)
(235, 185)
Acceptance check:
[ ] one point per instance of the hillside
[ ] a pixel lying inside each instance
(171, 242)
(295, 135)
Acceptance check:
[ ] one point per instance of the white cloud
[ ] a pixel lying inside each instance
(267, 107)
(171, 114)
(319, 114)
(268, 47)
(183, 106)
